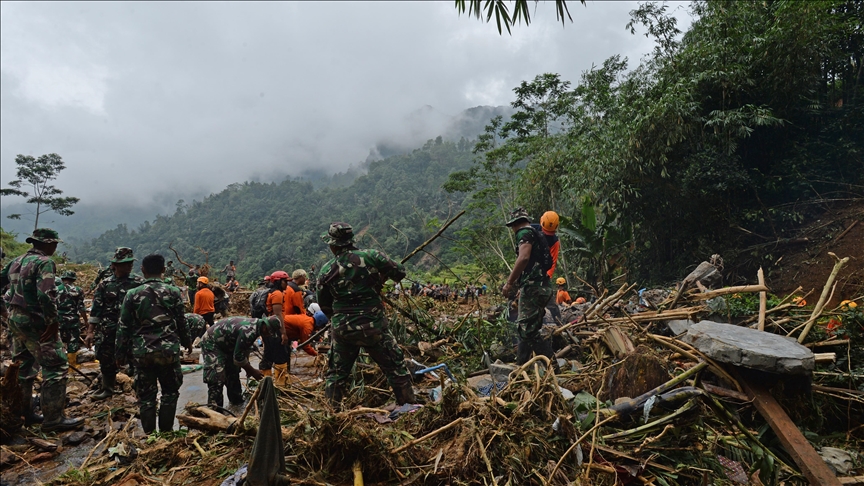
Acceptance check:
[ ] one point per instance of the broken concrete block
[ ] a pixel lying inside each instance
(679, 326)
(837, 459)
(750, 348)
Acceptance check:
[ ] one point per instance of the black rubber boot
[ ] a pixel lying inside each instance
(523, 352)
(53, 403)
(108, 383)
(404, 391)
(166, 416)
(148, 420)
(30, 417)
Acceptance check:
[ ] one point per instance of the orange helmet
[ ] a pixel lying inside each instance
(549, 221)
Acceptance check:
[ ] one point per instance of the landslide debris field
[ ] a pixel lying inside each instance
(648, 393)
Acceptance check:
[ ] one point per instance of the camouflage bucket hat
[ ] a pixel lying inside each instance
(69, 275)
(273, 325)
(517, 215)
(339, 234)
(44, 235)
(123, 255)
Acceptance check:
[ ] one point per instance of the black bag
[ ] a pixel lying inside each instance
(258, 302)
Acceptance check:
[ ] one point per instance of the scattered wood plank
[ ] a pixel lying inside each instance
(763, 299)
(618, 342)
(811, 464)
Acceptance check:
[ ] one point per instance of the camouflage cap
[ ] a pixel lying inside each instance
(44, 235)
(69, 275)
(272, 324)
(517, 215)
(122, 255)
(339, 234)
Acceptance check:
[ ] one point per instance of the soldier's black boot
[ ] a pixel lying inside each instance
(148, 419)
(108, 382)
(53, 403)
(404, 391)
(30, 417)
(166, 416)
(523, 352)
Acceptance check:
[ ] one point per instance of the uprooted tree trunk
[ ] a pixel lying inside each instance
(10, 401)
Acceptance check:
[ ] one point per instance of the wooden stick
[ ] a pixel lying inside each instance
(427, 436)
(741, 289)
(249, 407)
(485, 458)
(763, 299)
(817, 311)
(846, 231)
(580, 439)
(435, 236)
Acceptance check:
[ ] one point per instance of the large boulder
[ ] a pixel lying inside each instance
(750, 348)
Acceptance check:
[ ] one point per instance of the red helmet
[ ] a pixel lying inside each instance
(267, 278)
(279, 275)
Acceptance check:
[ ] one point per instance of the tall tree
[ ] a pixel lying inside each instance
(37, 174)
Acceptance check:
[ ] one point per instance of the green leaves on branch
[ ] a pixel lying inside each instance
(503, 19)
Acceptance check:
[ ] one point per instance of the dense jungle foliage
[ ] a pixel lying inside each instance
(722, 138)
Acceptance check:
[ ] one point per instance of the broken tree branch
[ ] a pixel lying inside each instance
(434, 237)
(823, 299)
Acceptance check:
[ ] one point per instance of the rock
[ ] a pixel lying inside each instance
(75, 438)
(42, 456)
(85, 356)
(679, 326)
(837, 459)
(501, 371)
(750, 348)
(567, 394)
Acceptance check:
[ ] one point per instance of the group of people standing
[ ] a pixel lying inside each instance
(141, 320)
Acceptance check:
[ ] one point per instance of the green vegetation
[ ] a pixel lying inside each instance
(11, 246)
(721, 138)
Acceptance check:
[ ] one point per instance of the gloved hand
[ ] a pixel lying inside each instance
(320, 319)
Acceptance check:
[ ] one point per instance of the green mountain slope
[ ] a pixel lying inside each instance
(264, 227)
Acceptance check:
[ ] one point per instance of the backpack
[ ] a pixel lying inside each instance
(258, 302)
(540, 252)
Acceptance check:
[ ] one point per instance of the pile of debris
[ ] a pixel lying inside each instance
(653, 389)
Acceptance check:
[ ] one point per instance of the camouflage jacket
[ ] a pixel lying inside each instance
(70, 301)
(196, 324)
(31, 284)
(533, 275)
(349, 288)
(191, 280)
(233, 336)
(102, 275)
(108, 298)
(152, 320)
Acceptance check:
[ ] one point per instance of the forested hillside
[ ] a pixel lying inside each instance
(395, 206)
(723, 140)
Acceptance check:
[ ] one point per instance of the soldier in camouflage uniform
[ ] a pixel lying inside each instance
(102, 275)
(170, 270)
(105, 316)
(70, 307)
(192, 285)
(349, 292)
(196, 324)
(153, 327)
(535, 290)
(34, 326)
(226, 346)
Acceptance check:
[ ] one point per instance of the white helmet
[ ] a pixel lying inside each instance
(314, 307)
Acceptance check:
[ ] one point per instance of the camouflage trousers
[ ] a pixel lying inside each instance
(382, 348)
(25, 330)
(153, 367)
(221, 372)
(532, 308)
(106, 344)
(70, 333)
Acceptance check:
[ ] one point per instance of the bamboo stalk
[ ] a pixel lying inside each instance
(580, 439)
(817, 311)
(485, 458)
(427, 436)
(741, 289)
(763, 299)
(662, 420)
(357, 469)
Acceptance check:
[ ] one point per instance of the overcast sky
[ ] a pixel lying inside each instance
(149, 100)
